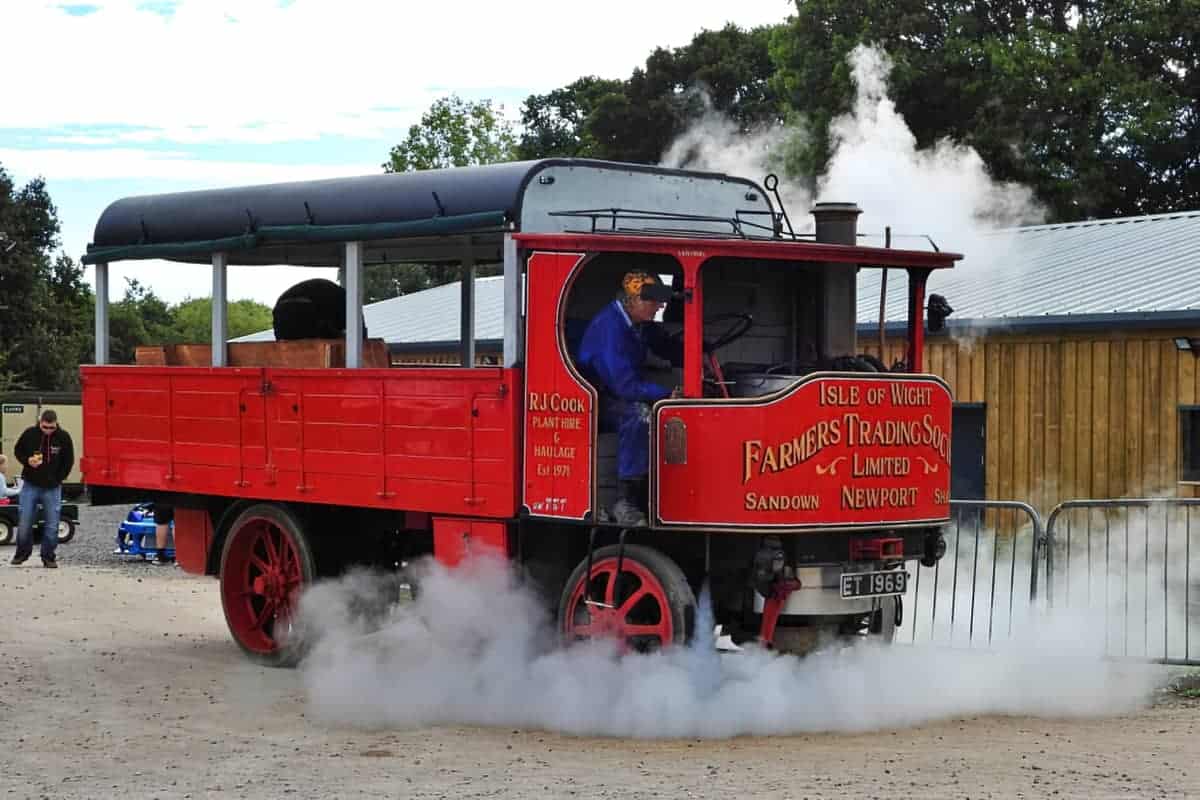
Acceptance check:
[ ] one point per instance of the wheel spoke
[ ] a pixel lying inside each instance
(268, 538)
(267, 611)
(609, 584)
(630, 602)
(291, 563)
(256, 561)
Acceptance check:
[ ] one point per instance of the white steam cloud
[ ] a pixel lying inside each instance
(939, 196)
(943, 191)
(475, 647)
(715, 143)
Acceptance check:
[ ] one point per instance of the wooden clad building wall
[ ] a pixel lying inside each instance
(1072, 415)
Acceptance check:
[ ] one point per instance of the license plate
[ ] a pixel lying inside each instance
(874, 584)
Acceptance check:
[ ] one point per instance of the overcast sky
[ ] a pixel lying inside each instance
(120, 97)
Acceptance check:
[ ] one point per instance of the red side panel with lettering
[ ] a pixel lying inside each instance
(559, 404)
(830, 451)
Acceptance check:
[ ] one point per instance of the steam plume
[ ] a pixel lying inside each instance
(476, 647)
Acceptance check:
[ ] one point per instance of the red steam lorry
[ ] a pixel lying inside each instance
(791, 476)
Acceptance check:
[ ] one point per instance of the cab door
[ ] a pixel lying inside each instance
(560, 406)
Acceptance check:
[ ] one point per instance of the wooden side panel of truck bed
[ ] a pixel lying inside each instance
(437, 440)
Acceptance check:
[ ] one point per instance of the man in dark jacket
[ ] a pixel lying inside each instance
(611, 356)
(47, 454)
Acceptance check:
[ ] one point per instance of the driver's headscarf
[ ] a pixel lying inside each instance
(641, 285)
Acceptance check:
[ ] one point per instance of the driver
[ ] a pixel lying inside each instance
(611, 356)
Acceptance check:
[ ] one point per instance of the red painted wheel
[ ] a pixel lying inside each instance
(655, 607)
(266, 562)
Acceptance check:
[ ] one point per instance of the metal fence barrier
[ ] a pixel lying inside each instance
(988, 578)
(1132, 563)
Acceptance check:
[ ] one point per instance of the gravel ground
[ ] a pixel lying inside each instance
(95, 539)
(119, 679)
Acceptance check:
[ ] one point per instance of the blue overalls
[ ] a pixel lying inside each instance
(611, 355)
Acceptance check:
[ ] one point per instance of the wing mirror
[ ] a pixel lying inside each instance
(936, 312)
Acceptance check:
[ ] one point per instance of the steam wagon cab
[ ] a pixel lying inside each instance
(789, 472)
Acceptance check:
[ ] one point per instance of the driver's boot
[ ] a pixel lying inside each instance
(627, 511)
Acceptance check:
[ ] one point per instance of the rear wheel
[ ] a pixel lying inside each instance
(650, 607)
(8, 532)
(265, 564)
(66, 531)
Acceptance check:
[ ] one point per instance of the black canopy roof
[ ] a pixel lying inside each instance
(184, 224)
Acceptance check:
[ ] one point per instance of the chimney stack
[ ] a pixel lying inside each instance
(837, 223)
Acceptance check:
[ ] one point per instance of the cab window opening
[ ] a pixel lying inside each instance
(598, 284)
(762, 321)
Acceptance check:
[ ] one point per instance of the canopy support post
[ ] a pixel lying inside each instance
(220, 265)
(467, 320)
(513, 311)
(916, 320)
(102, 312)
(353, 266)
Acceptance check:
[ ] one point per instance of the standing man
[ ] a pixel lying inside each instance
(47, 454)
(611, 356)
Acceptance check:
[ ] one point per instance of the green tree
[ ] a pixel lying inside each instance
(383, 281)
(45, 306)
(455, 133)
(140, 317)
(1092, 104)
(70, 326)
(452, 133)
(556, 123)
(191, 320)
(727, 70)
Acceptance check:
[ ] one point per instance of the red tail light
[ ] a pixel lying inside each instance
(876, 549)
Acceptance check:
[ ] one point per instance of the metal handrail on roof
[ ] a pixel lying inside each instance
(737, 223)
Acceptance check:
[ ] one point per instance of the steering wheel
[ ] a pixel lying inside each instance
(715, 385)
(742, 323)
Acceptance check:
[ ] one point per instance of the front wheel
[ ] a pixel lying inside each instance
(66, 531)
(265, 564)
(8, 532)
(650, 607)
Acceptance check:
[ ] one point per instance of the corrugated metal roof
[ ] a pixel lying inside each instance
(1113, 266)
(429, 316)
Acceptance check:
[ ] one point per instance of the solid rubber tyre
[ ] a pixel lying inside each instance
(657, 607)
(8, 532)
(266, 562)
(66, 531)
